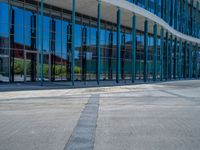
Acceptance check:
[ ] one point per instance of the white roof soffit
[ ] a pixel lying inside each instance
(150, 16)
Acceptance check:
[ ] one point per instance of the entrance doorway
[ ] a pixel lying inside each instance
(31, 62)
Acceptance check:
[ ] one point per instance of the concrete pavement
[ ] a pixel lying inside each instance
(162, 116)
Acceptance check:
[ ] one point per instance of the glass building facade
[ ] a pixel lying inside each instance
(102, 53)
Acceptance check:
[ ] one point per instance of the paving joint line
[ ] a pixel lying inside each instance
(83, 135)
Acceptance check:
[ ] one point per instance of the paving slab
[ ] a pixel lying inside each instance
(160, 116)
(38, 124)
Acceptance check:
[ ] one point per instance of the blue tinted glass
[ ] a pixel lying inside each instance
(46, 33)
(18, 25)
(64, 37)
(58, 37)
(27, 29)
(3, 19)
(78, 40)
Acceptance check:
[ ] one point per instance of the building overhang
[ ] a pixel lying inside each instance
(142, 14)
(109, 10)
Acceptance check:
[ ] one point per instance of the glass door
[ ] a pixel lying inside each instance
(4, 65)
(31, 66)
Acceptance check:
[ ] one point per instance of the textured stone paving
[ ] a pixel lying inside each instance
(162, 116)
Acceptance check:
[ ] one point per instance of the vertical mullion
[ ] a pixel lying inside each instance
(176, 15)
(163, 9)
(181, 16)
(167, 12)
(156, 7)
(197, 20)
(191, 17)
(187, 28)
(172, 13)
(146, 5)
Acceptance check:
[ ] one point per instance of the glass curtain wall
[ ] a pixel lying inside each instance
(4, 43)
(181, 15)
(165, 59)
(127, 56)
(150, 57)
(139, 55)
(20, 42)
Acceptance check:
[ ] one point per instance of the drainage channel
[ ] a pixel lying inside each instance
(83, 135)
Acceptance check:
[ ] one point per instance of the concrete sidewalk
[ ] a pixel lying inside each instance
(21, 86)
(162, 116)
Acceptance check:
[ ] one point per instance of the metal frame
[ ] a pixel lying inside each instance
(73, 36)
(167, 55)
(118, 45)
(98, 41)
(133, 48)
(161, 53)
(170, 57)
(180, 58)
(190, 61)
(175, 58)
(170, 69)
(41, 42)
(155, 52)
(145, 50)
(196, 61)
